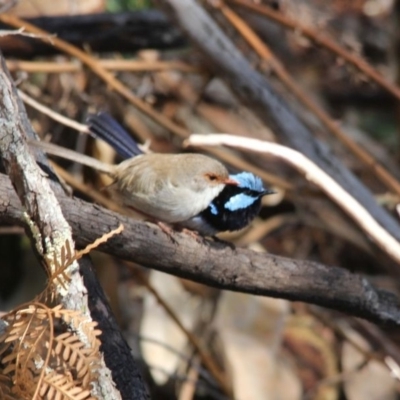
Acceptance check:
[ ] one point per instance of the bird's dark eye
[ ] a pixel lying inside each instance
(212, 177)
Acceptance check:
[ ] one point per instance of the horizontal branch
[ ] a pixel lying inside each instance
(101, 32)
(217, 264)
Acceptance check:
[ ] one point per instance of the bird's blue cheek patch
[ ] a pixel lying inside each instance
(213, 209)
(239, 201)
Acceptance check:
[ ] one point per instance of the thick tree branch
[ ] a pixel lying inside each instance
(217, 264)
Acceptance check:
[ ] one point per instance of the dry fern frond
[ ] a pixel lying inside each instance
(79, 323)
(58, 387)
(70, 353)
(59, 263)
(99, 241)
(68, 257)
(5, 388)
(27, 338)
(39, 363)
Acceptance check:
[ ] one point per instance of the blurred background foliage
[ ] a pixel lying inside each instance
(127, 5)
(264, 348)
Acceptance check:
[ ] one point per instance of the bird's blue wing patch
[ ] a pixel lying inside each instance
(213, 209)
(240, 201)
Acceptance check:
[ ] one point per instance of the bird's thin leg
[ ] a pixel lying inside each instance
(169, 231)
(193, 234)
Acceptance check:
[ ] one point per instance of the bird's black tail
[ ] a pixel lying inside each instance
(105, 127)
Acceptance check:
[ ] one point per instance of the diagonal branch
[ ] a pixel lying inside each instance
(330, 125)
(257, 93)
(323, 40)
(43, 216)
(315, 175)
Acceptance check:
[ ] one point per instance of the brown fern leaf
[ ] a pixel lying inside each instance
(58, 387)
(5, 388)
(25, 382)
(57, 266)
(79, 322)
(26, 347)
(29, 350)
(70, 354)
(67, 257)
(99, 241)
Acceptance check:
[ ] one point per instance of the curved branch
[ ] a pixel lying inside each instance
(316, 175)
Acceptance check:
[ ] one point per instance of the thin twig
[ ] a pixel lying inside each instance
(21, 32)
(323, 40)
(90, 192)
(52, 114)
(113, 65)
(204, 355)
(107, 76)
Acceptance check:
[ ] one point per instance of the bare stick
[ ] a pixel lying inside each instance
(52, 114)
(67, 154)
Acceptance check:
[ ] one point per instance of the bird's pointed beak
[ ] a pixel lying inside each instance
(230, 181)
(268, 191)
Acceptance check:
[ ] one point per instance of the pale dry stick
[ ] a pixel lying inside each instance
(188, 389)
(393, 367)
(114, 65)
(52, 114)
(315, 175)
(21, 32)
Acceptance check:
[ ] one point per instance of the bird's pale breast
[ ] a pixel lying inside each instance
(163, 186)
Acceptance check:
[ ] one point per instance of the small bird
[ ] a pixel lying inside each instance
(189, 190)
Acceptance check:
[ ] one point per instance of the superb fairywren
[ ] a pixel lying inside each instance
(191, 190)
